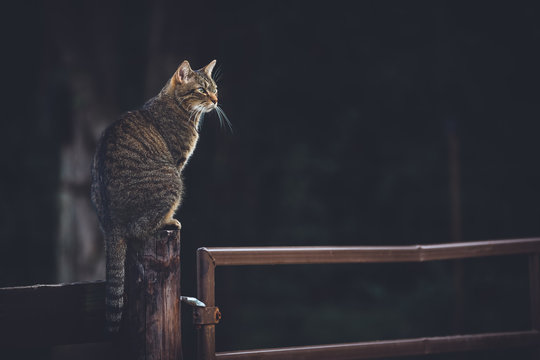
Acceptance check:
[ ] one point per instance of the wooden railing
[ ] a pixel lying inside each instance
(48, 315)
(209, 258)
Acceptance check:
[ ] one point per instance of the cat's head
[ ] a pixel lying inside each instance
(194, 90)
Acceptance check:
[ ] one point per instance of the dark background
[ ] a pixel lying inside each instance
(342, 116)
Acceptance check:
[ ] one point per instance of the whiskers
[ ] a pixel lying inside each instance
(196, 113)
(223, 119)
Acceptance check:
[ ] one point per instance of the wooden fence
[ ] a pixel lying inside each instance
(48, 315)
(209, 258)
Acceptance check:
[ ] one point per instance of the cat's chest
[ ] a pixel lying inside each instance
(185, 150)
(190, 143)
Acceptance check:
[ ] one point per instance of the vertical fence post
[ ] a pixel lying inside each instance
(206, 334)
(534, 289)
(153, 301)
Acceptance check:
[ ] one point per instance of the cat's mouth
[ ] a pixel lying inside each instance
(204, 108)
(210, 107)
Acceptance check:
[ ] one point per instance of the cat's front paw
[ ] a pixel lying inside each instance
(172, 224)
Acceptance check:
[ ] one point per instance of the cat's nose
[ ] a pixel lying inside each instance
(213, 97)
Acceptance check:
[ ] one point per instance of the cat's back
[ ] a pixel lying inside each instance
(133, 138)
(130, 153)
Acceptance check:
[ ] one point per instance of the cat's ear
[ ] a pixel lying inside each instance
(208, 68)
(184, 70)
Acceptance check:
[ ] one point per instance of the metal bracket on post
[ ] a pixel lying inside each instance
(192, 301)
(202, 314)
(206, 316)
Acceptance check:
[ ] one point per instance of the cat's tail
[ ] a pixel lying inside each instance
(114, 287)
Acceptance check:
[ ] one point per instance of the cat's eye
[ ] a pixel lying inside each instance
(201, 90)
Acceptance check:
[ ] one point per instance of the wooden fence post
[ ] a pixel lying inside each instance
(153, 326)
(206, 333)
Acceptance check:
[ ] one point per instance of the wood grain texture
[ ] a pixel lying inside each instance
(153, 288)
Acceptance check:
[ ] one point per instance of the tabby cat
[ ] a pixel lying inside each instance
(136, 172)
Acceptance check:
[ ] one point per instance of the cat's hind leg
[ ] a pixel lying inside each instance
(154, 221)
(169, 220)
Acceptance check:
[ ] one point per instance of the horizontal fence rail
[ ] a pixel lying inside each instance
(367, 254)
(381, 349)
(209, 258)
(47, 315)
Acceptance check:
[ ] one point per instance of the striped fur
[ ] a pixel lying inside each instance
(114, 286)
(136, 172)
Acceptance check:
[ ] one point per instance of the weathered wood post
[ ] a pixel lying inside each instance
(209, 316)
(153, 303)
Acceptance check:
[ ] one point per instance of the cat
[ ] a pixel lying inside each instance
(136, 171)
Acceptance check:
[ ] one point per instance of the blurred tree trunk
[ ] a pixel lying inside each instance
(84, 62)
